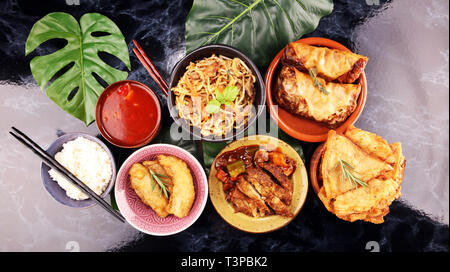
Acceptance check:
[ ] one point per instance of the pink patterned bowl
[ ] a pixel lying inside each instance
(142, 217)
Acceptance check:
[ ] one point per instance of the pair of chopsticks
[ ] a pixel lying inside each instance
(151, 69)
(51, 162)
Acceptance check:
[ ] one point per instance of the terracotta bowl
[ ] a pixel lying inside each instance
(314, 168)
(298, 127)
(141, 216)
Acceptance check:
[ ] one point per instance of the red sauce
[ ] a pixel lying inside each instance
(128, 114)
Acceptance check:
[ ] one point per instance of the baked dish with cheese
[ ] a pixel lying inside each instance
(331, 64)
(319, 83)
(296, 92)
(361, 175)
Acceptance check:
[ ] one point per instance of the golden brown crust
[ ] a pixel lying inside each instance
(378, 164)
(331, 64)
(183, 191)
(142, 184)
(296, 92)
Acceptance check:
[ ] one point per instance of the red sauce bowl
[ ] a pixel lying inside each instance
(128, 114)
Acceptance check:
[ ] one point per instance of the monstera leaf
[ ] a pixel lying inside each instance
(260, 28)
(77, 90)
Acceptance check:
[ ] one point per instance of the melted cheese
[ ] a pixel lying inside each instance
(307, 100)
(329, 63)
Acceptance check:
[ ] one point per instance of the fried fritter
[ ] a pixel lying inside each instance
(373, 161)
(157, 168)
(338, 148)
(150, 194)
(371, 143)
(183, 191)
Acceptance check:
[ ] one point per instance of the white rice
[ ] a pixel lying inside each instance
(89, 162)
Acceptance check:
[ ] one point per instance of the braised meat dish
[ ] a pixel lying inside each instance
(257, 181)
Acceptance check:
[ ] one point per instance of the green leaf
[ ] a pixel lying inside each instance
(260, 28)
(112, 199)
(230, 93)
(213, 106)
(219, 96)
(317, 83)
(81, 51)
(161, 175)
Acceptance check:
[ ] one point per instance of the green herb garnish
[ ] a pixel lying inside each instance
(346, 174)
(228, 95)
(162, 183)
(317, 83)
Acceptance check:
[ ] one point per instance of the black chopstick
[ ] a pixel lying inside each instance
(51, 162)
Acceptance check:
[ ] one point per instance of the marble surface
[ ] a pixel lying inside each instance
(408, 46)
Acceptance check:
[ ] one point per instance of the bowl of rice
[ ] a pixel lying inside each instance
(89, 159)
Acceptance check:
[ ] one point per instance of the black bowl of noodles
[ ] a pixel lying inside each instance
(215, 93)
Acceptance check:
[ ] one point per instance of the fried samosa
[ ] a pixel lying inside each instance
(297, 93)
(176, 178)
(148, 192)
(330, 64)
(377, 165)
(183, 191)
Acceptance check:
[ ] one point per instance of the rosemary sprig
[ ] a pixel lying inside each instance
(346, 174)
(317, 83)
(162, 183)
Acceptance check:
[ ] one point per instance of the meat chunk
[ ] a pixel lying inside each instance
(275, 196)
(261, 156)
(277, 172)
(246, 188)
(242, 203)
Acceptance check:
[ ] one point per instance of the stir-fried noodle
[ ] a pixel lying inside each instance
(198, 86)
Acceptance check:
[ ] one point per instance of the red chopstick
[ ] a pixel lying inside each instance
(151, 69)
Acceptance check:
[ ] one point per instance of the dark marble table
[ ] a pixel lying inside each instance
(407, 42)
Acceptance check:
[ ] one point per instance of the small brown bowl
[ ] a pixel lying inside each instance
(314, 168)
(298, 127)
(154, 111)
